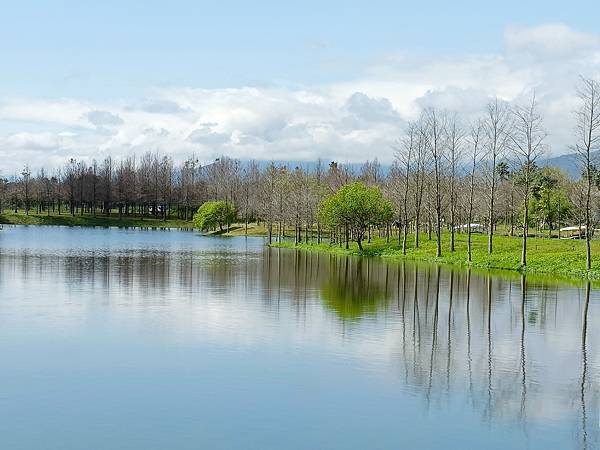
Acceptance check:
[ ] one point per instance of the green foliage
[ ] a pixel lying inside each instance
(214, 214)
(530, 171)
(356, 207)
(503, 171)
(548, 201)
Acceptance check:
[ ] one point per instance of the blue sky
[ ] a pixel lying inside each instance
(114, 56)
(116, 48)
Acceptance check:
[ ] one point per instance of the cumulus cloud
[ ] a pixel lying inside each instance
(468, 101)
(348, 121)
(204, 135)
(371, 109)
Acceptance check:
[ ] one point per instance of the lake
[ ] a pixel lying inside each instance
(142, 339)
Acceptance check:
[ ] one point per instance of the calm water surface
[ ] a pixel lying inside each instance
(168, 340)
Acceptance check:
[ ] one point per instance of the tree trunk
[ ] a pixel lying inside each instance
(588, 234)
(417, 231)
(525, 225)
(347, 233)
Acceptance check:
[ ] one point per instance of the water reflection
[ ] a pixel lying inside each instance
(584, 365)
(520, 355)
(509, 343)
(353, 297)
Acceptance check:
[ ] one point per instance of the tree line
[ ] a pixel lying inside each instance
(448, 173)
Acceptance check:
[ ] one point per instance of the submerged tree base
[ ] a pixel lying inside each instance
(565, 258)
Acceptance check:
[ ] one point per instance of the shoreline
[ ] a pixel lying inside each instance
(91, 221)
(547, 257)
(113, 221)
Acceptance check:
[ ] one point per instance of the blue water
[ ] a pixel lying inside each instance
(139, 339)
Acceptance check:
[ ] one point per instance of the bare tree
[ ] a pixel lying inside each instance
(165, 175)
(455, 141)
(475, 143)
(106, 173)
(3, 183)
(404, 157)
(436, 130)
(419, 176)
(496, 127)
(26, 174)
(587, 133)
(527, 141)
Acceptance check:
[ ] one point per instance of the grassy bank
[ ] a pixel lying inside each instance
(88, 220)
(239, 229)
(564, 258)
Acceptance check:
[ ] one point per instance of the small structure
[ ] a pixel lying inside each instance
(576, 232)
(475, 228)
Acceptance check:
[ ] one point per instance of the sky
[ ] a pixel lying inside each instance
(274, 80)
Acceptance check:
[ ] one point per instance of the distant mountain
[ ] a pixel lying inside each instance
(568, 163)
(311, 166)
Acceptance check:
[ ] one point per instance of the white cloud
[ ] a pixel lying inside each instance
(162, 107)
(550, 40)
(348, 121)
(66, 134)
(31, 141)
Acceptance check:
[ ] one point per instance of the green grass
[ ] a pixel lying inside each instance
(564, 258)
(239, 229)
(88, 220)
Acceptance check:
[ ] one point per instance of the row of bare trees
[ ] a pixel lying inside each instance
(438, 148)
(500, 150)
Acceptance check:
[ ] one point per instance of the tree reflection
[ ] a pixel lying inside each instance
(351, 290)
(584, 365)
(523, 372)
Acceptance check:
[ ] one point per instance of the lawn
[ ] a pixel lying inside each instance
(545, 256)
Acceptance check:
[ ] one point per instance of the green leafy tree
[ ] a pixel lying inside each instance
(356, 207)
(213, 214)
(549, 202)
